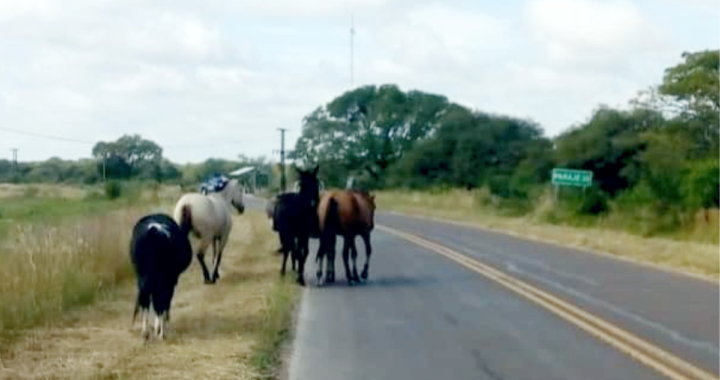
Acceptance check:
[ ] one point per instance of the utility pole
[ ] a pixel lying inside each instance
(282, 159)
(352, 51)
(15, 164)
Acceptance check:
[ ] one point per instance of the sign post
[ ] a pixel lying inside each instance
(570, 177)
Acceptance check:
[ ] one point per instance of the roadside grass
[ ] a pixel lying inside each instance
(11, 190)
(231, 330)
(31, 210)
(49, 269)
(276, 329)
(696, 257)
(25, 204)
(61, 251)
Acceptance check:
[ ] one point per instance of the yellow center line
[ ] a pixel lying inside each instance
(644, 352)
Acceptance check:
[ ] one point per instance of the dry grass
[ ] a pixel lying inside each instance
(49, 269)
(9, 190)
(690, 257)
(218, 331)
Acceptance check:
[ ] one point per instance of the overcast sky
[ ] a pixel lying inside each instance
(218, 79)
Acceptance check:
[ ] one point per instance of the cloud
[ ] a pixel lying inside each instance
(307, 8)
(444, 35)
(218, 80)
(590, 32)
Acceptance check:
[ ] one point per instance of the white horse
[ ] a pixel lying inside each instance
(208, 218)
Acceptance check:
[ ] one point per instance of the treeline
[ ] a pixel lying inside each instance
(660, 155)
(129, 158)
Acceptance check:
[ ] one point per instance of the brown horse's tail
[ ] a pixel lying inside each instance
(185, 219)
(331, 224)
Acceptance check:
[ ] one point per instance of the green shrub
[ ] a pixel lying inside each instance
(641, 211)
(594, 202)
(113, 189)
(701, 187)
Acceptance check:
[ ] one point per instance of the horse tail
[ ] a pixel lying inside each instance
(330, 227)
(185, 219)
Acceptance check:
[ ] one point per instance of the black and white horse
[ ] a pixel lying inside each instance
(160, 252)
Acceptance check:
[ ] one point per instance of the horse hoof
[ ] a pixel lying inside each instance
(209, 281)
(301, 282)
(364, 275)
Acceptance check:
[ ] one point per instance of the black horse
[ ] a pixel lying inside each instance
(160, 252)
(295, 220)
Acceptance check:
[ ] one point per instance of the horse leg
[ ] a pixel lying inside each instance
(293, 259)
(218, 250)
(330, 268)
(287, 243)
(158, 327)
(303, 248)
(145, 330)
(353, 256)
(143, 305)
(167, 327)
(201, 259)
(330, 262)
(368, 252)
(319, 261)
(215, 253)
(346, 257)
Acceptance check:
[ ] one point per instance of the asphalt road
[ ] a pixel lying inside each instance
(422, 316)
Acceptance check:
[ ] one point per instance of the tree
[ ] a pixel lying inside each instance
(608, 145)
(690, 95)
(124, 157)
(471, 149)
(368, 129)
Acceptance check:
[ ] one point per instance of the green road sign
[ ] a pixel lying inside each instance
(570, 177)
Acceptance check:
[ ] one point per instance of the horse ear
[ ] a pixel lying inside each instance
(317, 168)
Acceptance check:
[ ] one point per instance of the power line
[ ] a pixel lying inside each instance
(164, 146)
(15, 164)
(50, 137)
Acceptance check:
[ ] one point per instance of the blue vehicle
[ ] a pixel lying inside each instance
(214, 184)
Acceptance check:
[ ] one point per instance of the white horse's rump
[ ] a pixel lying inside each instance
(209, 218)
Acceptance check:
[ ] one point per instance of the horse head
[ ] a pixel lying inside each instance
(308, 185)
(233, 193)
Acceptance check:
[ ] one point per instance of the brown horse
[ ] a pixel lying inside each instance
(346, 213)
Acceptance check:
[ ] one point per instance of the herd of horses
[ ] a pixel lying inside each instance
(306, 213)
(161, 246)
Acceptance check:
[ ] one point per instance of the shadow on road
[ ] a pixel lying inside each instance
(382, 282)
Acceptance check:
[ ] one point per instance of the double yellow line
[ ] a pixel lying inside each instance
(639, 349)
